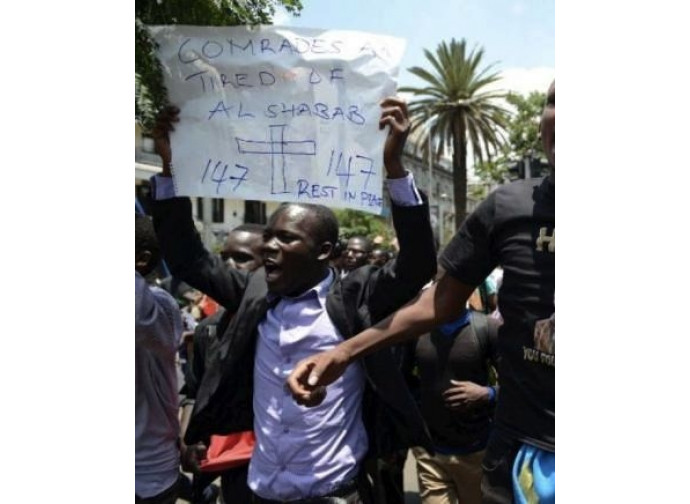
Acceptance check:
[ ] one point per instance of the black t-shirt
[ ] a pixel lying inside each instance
(515, 228)
(459, 356)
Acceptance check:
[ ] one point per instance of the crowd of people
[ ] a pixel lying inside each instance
(311, 365)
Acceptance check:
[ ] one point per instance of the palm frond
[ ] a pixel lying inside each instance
(458, 107)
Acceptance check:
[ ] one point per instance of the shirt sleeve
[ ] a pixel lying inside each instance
(468, 257)
(158, 324)
(403, 191)
(163, 187)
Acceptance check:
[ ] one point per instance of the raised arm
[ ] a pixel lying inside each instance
(180, 242)
(400, 280)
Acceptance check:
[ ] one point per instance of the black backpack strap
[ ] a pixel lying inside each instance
(480, 326)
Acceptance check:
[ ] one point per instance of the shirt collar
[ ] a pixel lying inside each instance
(320, 290)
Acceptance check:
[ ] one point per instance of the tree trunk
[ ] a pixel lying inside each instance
(459, 171)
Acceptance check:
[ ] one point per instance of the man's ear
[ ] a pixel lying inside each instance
(142, 260)
(325, 251)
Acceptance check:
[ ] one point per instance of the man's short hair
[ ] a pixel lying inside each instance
(326, 227)
(250, 227)
(366, 241)
(145, 239)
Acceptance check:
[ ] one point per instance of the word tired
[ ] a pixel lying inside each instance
(263, 78)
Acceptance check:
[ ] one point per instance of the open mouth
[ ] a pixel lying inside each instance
(272, 270)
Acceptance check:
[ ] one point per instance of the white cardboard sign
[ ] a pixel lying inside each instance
(282, 114)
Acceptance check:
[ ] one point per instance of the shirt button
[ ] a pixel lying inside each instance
(286, 429)
(288, 360)
(283, 468)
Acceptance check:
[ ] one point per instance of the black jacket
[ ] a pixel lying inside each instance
(364, 297)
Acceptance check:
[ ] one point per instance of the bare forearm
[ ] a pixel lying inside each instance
(418, 317)
(410, 321)
(440, 303)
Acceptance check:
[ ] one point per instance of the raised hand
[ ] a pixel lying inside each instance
(394, 115)
(161, 135)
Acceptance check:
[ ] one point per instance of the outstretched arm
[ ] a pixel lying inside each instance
(436, 305)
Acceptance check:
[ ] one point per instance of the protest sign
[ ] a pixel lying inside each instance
(282, 114)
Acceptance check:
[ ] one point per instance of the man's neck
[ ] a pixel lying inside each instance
(317, 279)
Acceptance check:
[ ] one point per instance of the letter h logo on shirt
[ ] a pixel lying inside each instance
(544, 239)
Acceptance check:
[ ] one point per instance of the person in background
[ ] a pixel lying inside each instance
(227, 456)
(379, 257)
(452, 367)
(356, 254)
(157, 332)
(338, 255)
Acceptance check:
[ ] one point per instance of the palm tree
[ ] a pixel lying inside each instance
(455, 108)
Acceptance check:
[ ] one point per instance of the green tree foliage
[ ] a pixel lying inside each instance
(522, 137)
(150, 93)
(523, 126)
(456, 109)
(356, 223)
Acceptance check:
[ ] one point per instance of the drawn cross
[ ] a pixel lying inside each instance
(277, 146)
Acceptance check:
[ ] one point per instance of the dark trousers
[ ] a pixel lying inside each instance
(387, 478)
(497, 477)
(233, 485)
(168, 496)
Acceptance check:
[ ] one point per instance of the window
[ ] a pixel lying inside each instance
(217, 210)
(200, 209)
(254, 212)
